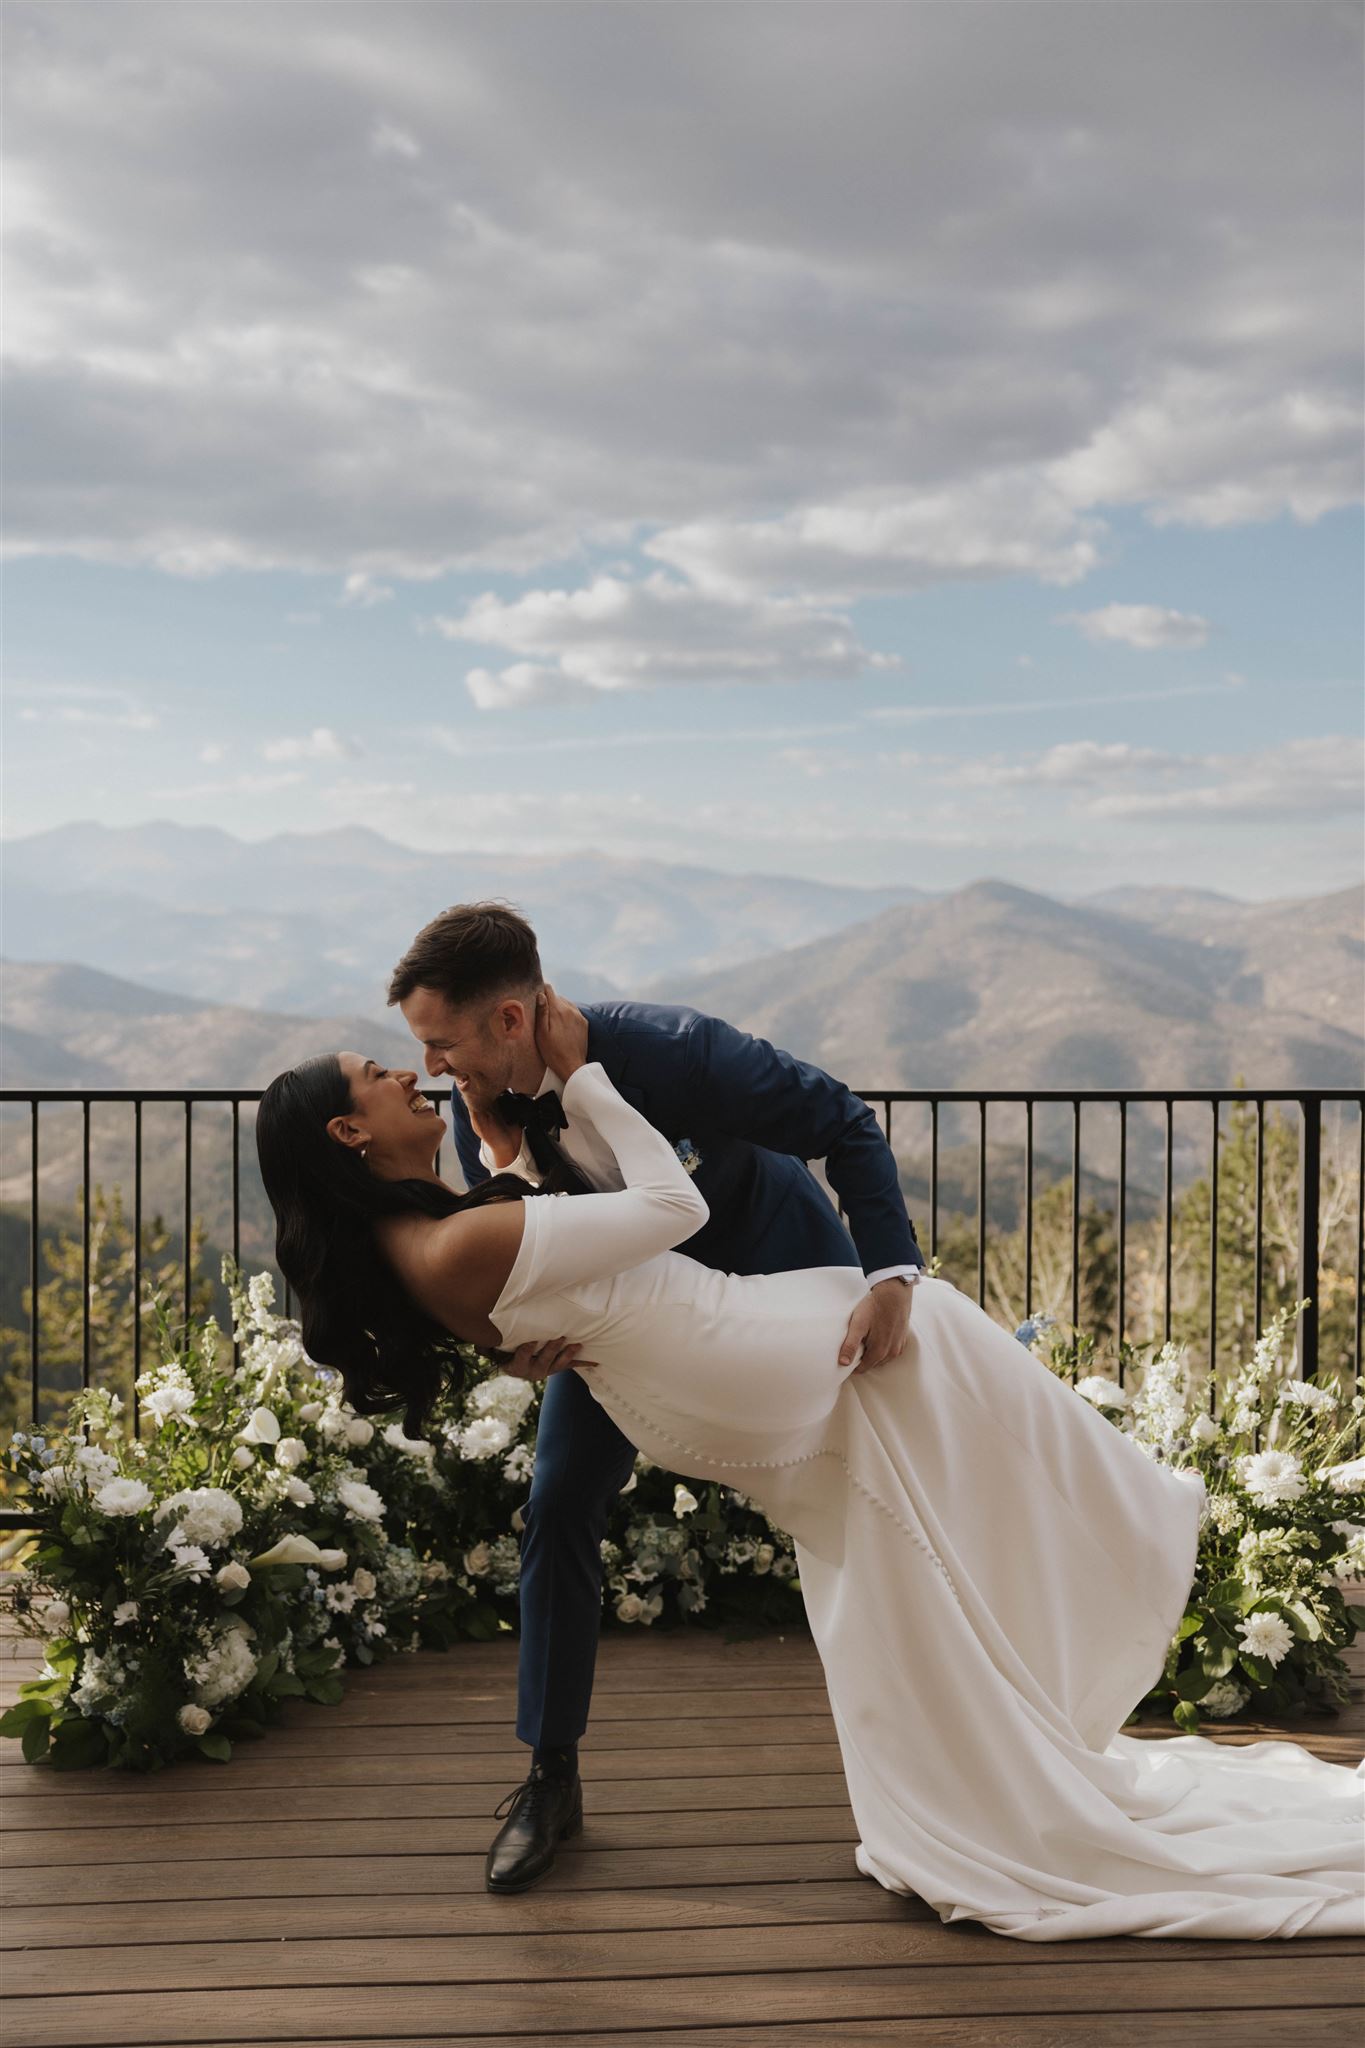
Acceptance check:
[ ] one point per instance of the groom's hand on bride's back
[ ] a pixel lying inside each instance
(538, 1361)
(880, 1323)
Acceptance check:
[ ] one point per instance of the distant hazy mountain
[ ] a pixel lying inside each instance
(314, 923)
(993, 986)
(73, 1027)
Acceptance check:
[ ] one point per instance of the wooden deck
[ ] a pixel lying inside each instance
(326, 1888)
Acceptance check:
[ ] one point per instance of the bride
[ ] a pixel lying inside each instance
(993, 1573)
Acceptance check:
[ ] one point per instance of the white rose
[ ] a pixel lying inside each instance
(263, 1427)
(57, 1613)
(290, 1452)
(359, 1431)
(684, 1503)
(232, 1577)
(763, 1557)
(476, 1560)
(629, 1607)
(310, 1411)
(365, 1583)
(243, 1458)
(194, 1720)
(332, 1560)
(124, 1497)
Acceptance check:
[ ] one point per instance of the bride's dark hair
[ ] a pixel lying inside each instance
(356, 1315)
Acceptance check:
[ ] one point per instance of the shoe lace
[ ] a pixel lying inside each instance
(538, 1785)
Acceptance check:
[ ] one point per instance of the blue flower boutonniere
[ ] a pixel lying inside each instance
(688, 1154)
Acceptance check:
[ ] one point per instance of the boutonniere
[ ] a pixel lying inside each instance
(688, 1154)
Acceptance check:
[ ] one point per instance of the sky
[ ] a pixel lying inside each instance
(880, 443)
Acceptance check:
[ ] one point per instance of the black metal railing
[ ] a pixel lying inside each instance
(1153, 1112)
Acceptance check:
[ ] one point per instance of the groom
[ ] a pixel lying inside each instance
(751, 1116)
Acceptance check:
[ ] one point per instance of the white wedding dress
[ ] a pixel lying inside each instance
(992, 1571)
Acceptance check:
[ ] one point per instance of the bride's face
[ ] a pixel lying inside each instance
(390, 1120)
(484, 1046)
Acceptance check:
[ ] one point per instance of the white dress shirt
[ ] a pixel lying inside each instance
(596, 1162)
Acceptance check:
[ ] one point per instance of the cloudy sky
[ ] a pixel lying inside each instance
(880, 442)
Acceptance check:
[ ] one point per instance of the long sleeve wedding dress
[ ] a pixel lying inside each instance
(993, 1574)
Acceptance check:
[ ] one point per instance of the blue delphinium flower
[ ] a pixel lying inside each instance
(1029, 1331)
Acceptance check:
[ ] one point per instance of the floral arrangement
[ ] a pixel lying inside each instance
(1266, 1621)
(261, 1536)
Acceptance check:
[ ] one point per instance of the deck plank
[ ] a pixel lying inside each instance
(711, 1899)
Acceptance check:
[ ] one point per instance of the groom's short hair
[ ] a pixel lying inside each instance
(469, 951)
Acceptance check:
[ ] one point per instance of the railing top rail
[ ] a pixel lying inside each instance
(1157, 1095)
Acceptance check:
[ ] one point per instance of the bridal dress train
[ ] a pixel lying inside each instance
(993, 1574)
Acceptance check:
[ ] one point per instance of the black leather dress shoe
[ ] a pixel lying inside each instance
(544, 1812)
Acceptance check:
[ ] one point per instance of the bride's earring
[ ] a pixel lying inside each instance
(363, 1150)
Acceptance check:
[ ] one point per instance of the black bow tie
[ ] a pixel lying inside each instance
(532, 1112)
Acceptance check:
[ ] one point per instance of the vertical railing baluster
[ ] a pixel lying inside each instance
(35, 1263)
(1260, 1213)
(1075, 1213)
(1028, 1207)
(1170, 1150)
(1123, 1227)
(981, 1212)
(137, 1259)
(85, 1242)
(189, 1211)
(1360, 1233)
(933, 1178)
(1213, 1243)
(236, 1207)
(1310, 1177)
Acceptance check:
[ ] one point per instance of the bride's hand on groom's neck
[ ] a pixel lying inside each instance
(561, 1034)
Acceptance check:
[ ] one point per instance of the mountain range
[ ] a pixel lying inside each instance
(315, 922)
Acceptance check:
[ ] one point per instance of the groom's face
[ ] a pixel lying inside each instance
(484, 1046)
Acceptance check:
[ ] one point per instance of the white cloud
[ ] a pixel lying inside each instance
(248, 784)
(1310, 779)
(211, 753)
(83, 704)
(286, 289)
(362, 589)
(1147, 626)
(321, 744)
(613, 635)
(885, 541)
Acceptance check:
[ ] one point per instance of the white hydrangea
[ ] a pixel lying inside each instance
(95, 1465)
(1272, 1476)
(204, 1514)
(225, 1669)
(291, 1452)
(1224, 1698)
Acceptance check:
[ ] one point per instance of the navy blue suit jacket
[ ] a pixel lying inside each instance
(755, 1115)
